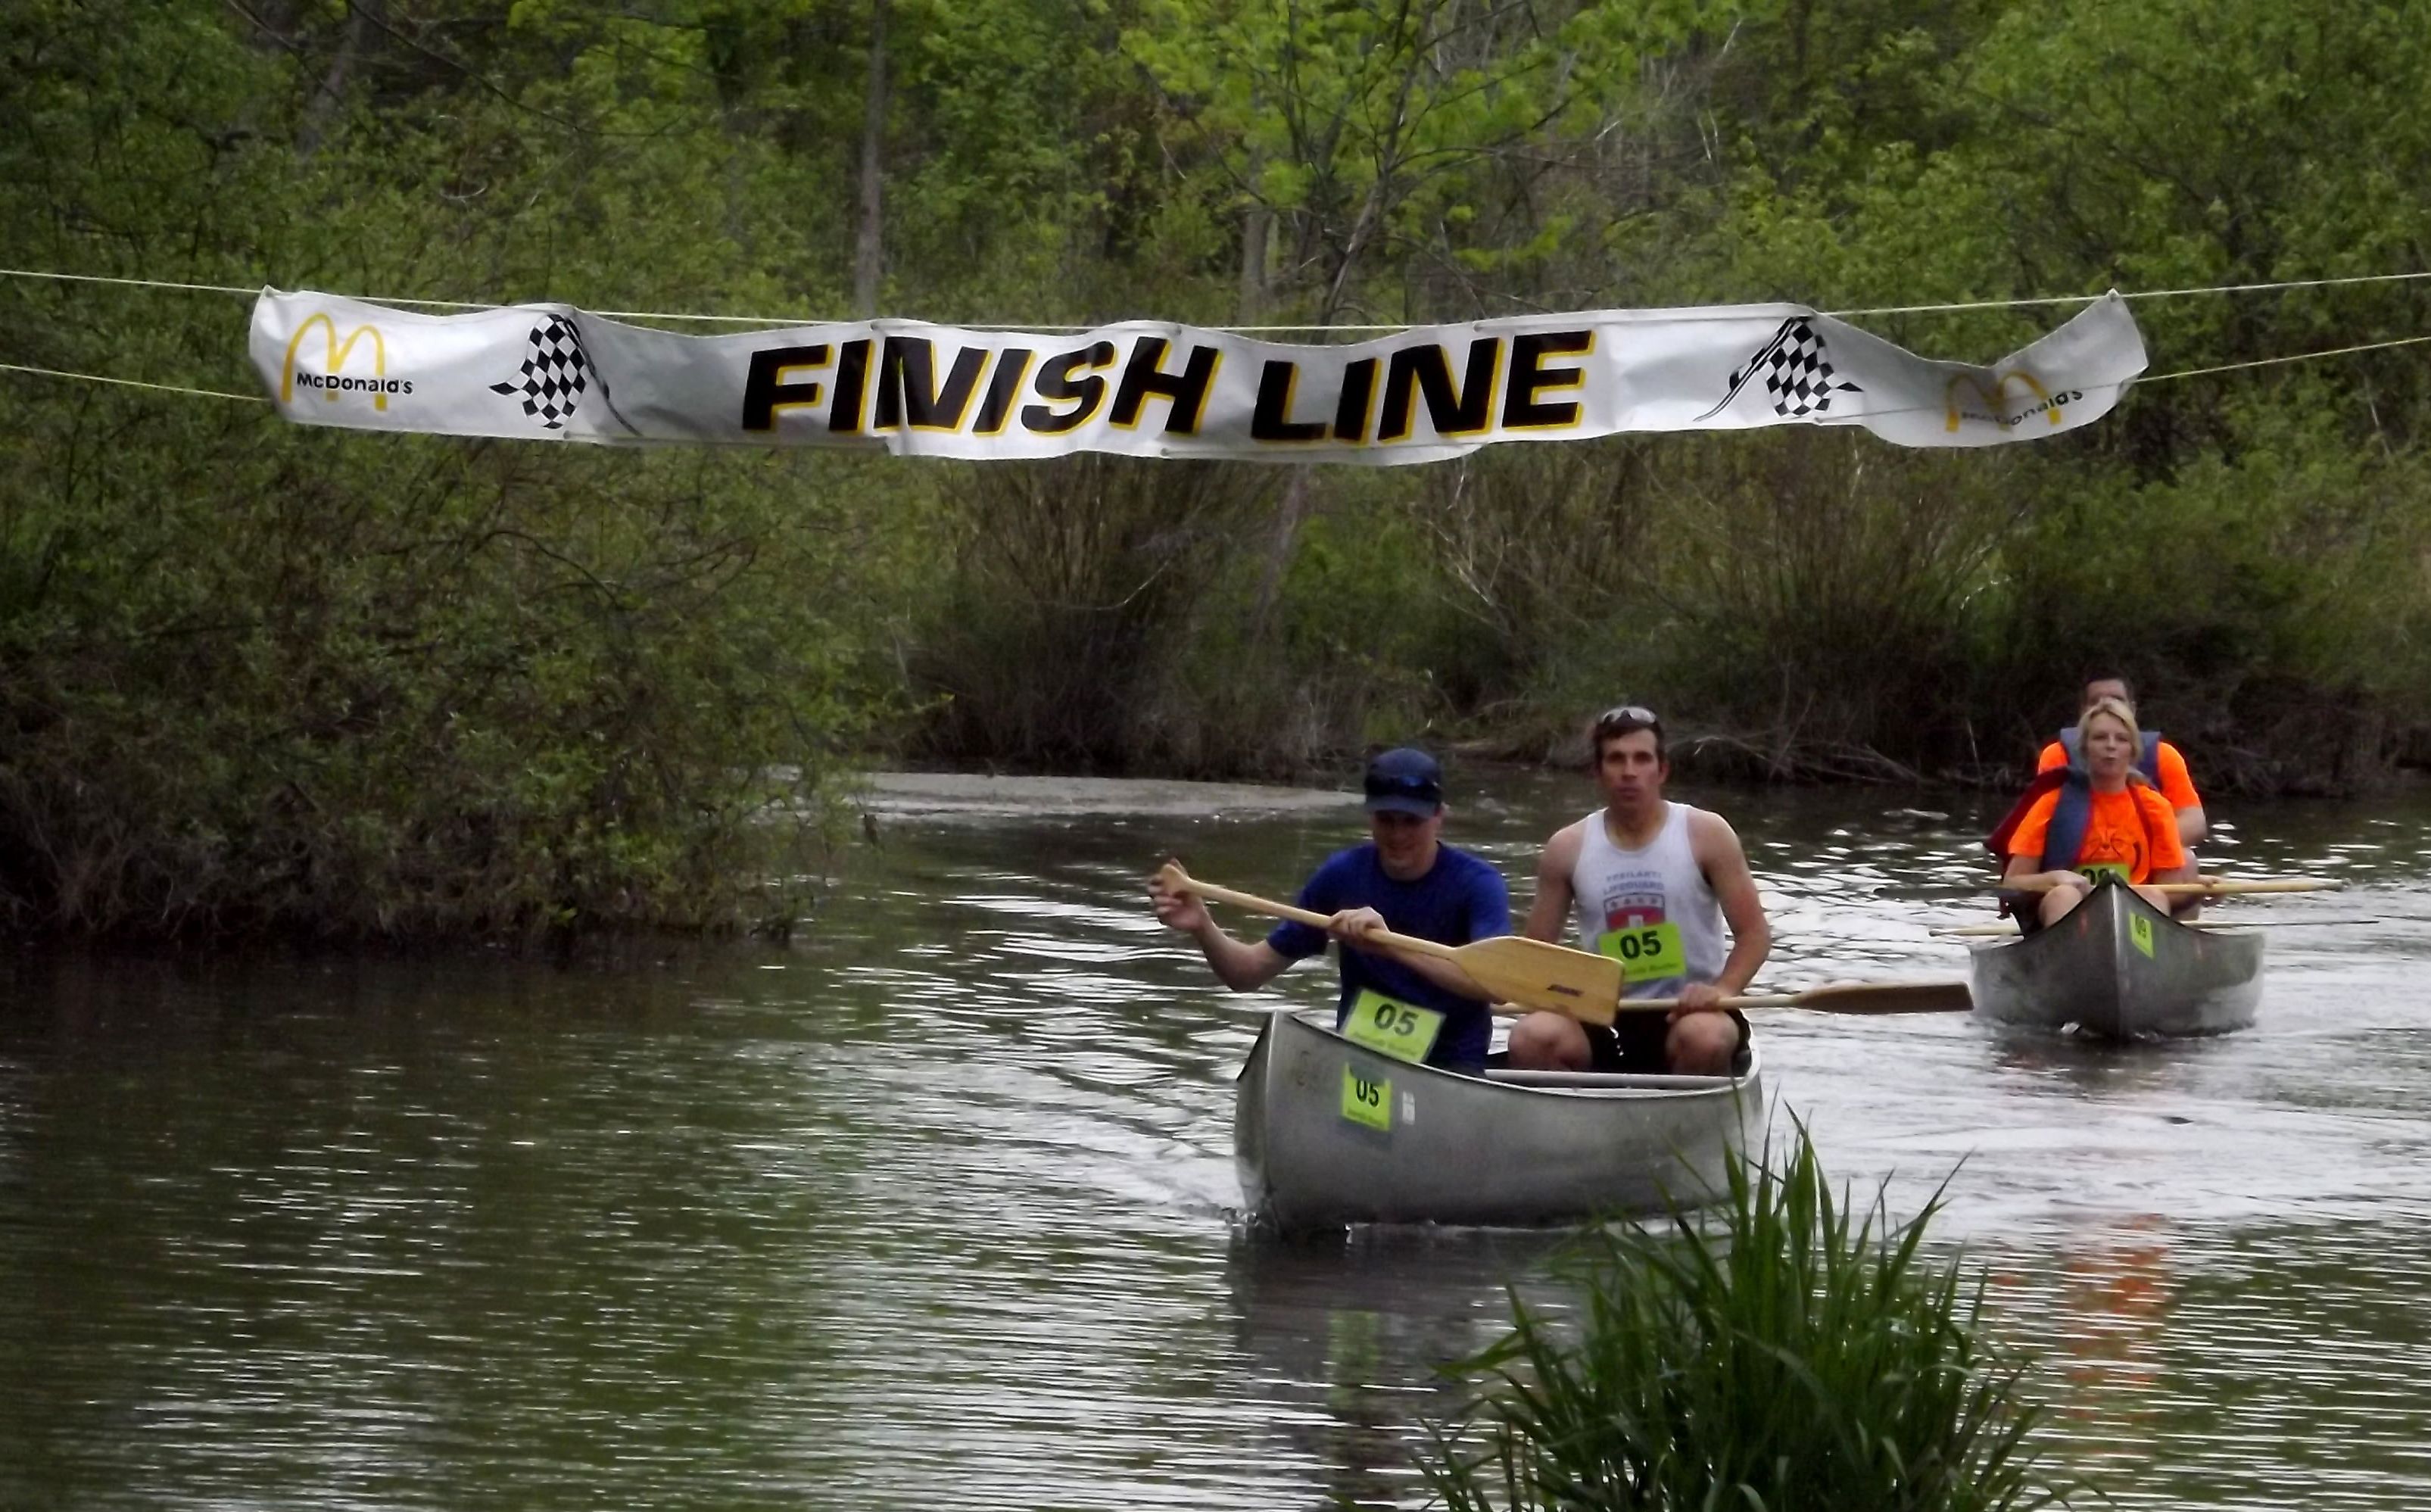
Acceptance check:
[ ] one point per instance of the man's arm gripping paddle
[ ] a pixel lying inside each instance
(1515, 970)
(1535, 974)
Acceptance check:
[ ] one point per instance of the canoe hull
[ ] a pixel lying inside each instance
(1327, 1133)
(2120, 969)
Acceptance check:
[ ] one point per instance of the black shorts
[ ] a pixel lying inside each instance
(2027, 908)
(1634, 1044)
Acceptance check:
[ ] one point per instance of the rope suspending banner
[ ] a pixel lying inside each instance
(132, 384)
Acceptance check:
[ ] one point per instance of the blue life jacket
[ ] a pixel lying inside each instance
(2074, 811)
(2070, 817)
(2072, 740)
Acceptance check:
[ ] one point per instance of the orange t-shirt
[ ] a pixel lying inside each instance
(2168, 761)
(2135, 828)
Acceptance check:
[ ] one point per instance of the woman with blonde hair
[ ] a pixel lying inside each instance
(2103, 820)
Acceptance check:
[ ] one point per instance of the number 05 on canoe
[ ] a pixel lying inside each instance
(1535, 974)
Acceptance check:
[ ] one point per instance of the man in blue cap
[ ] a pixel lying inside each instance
(1403, 879)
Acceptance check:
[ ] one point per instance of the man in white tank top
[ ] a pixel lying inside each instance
(1651, 883)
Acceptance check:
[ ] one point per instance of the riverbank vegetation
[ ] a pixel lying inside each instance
(1783, 1349)
(252, 678)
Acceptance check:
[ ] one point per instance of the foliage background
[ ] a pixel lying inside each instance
(257, 679)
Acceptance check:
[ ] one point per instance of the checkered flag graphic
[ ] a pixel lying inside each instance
(1796, 373)
(554, 375)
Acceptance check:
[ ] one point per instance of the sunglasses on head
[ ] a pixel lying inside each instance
(1626, 717)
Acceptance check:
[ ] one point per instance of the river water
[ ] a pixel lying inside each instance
(934, 1208)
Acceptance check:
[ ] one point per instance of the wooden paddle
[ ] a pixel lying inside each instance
(2006, 928)
(1533, 974)
(2208, 887)
(1936, 996)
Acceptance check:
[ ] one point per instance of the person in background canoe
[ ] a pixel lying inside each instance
(1404, 878)
(2163, 764)
(2103, 818)
(1651, 882)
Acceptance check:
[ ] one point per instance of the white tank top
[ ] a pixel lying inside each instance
(1651, 907)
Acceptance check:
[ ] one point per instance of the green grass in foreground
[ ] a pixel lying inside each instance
(1784, 1350)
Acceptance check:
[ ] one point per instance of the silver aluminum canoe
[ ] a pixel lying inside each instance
(1326, 1132)
(2118, 967)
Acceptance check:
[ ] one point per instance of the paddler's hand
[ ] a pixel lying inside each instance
(2077, 880)
(1182, 912)
(1697, 998)
(1353, 926)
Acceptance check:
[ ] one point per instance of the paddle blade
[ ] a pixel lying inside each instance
(1535, 974)
(1887, 997)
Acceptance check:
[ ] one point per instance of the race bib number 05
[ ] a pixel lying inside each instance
(2095, 871)
(1391, 1027)
(1647, 952)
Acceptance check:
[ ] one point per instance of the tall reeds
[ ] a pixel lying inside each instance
(1786, 1350)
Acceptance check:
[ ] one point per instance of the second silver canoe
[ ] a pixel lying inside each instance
(2118, 967)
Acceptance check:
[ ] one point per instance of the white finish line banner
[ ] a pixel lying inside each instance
(1154, 388)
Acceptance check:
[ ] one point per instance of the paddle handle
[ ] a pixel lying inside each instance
(1763, 1000)
(1513, 1010)
(1868, 998)
(1178, 881)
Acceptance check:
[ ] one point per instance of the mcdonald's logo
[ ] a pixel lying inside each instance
(1993, 398)
(333, 381)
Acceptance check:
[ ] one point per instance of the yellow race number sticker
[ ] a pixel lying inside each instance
(1366, 1103)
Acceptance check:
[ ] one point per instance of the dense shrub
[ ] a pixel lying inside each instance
(1782, 1352)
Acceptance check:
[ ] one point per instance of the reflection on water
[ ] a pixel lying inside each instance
(1334, 1325)
(936, 1208)
(2109, 1313)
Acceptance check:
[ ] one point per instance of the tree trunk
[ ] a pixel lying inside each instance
(869, 263)
(332, 96)
(1291, 513)
(1257, 235)
(1257, 246)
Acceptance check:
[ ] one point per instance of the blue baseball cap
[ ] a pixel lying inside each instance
(1404, 780)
